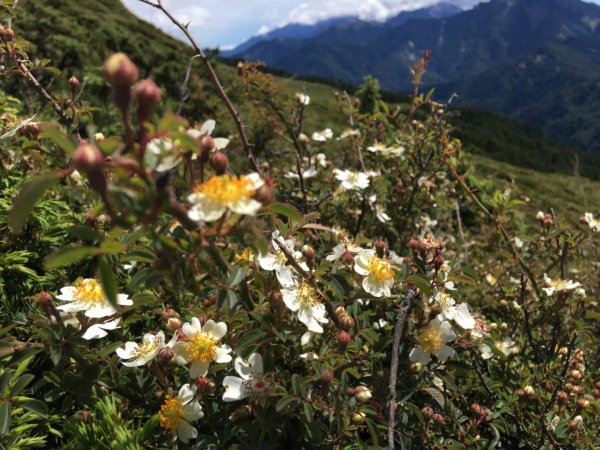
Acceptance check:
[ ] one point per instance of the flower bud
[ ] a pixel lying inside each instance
(416, 368)
(346, 322)
(427, 412)
(575, 374)
(576, 423)
(348, 258)
(88, 158)
(340, 311)
(207, 145)
(73, 84)
(478, 411)
(325, 380)
(562, 396)
(44, 299)
(350, 392)
(439, 419)
(569, 387)
(578, 390)
(358, 418)
(380, 248)
(438, 261)
(520, 393)
(529, 391)
(583, 403)
(343, 338)
(362, 394)
(597, 384)
(219, 161)
(9, 34)
(174, 323)
(119, 70)
(596, 393)
(147, 95)
(166, 355)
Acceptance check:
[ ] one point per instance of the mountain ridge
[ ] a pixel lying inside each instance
(469, 49)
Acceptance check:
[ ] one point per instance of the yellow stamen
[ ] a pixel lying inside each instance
(225, 188)
(430, 340)
(90, 291)
(306, 295)
(147, 347)
(201, 347)
(171, 413)
(380, 269)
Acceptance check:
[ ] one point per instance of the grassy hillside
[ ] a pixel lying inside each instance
(77, 36)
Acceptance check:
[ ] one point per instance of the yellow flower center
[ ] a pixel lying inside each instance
(246, 256)
(380, 269)
(430, 340)
(444, 300)
(89, 291)
(225, 188)
(306, 295)
(171, 413)
(560, 285)
(201, 347)
(147, 347)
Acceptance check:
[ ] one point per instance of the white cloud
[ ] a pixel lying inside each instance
(185, 12)
(314, 11)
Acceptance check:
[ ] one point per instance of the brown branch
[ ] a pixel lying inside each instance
(62, 117)
(392, 405)
(215, 80)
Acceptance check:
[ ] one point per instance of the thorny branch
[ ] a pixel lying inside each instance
(215, 80)
(402, 315)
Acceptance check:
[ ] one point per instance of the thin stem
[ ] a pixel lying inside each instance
(392, 405)
(215, 80)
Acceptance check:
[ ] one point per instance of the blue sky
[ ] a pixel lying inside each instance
(226, 23)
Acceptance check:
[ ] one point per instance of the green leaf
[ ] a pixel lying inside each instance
(5, 380)
(4, 417)
(108, 281)
(59, 139)
(285, 210)
(420, 282)
(68, 255)
(283, 403)
(25, 201)
(437, 395)
(147, 431)
(296, 384)
(21, 384)
(35, 406)
(235, 278)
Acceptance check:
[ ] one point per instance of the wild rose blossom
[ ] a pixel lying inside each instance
(88, 296)
(202, 346)
(176, 413)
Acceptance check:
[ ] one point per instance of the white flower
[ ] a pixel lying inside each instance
(594, 224)
(380, 213)
(352, 180)
(303, 299)
(518, 242)
(201, 346)
(302, 98)
(277, 260)
(176, 413)
(308, 173)
(540, 215)
(486, 351)
(129, 266)
(95, 331)
(491, 279)
(160, 155)
(309, 356)
(385, 150)
(348, 133)
(347, 247)
(307, 337)
(76, 176)
(99, 330)
(212, 198)
(459, 314)
(432, 341)
(87, 295)
(507, 346)
(322, 136)
(252, 382)
(207, 129)
(379, 276)
(558, 285)
(135, 355)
